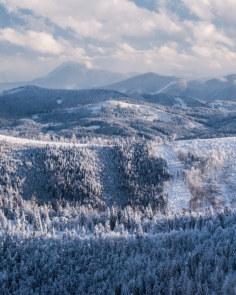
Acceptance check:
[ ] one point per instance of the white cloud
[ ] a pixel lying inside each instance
(43, 43)
(213, 9)
(201, 8)
(206, 32)
(119, 35)
(38, 41)
(169, 59)
(18, 67)
(102, 19)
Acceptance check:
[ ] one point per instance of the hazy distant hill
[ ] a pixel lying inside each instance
(71, 76)
(213, 89)
(154, 84)
(77, 76)
(145, 83)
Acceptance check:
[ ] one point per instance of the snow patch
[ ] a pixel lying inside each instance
(93, 127)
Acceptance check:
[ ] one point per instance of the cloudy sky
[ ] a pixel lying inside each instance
(190, 38)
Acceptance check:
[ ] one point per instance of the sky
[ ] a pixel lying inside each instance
(186, 38)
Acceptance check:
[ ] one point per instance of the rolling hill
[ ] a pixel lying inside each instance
(30, 111)
(201, 171)
(29, 100)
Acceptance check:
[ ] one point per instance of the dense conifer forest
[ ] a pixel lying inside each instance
(61, 235)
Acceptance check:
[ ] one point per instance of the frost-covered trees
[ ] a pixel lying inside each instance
(141, 175)
(73, 175)
(59, 236)
(52, 174)
(186, 256)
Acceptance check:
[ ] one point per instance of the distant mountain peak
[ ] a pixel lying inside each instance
(144, 83)
(72, 75)
(69, 65)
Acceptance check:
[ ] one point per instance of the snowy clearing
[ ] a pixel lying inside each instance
(208, 180)
(32, 142)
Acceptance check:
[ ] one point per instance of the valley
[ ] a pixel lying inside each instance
(92, 174)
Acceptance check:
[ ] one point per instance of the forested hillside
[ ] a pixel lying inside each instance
(61, 212)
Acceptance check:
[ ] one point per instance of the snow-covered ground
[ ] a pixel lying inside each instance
(32, 142)
(176, 189)
(211, 186)
(163, 89)
(203, 171)
(143, 112)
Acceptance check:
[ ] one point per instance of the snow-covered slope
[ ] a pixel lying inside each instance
(176, 189)
(203, 173)
(86, 112)
(30, 100)
(17, 141)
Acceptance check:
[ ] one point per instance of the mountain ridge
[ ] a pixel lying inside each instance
(75, 76)
(71, 75)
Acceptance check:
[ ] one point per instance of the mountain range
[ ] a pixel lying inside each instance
(71, 75)
(77, 76)
(207, 90)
